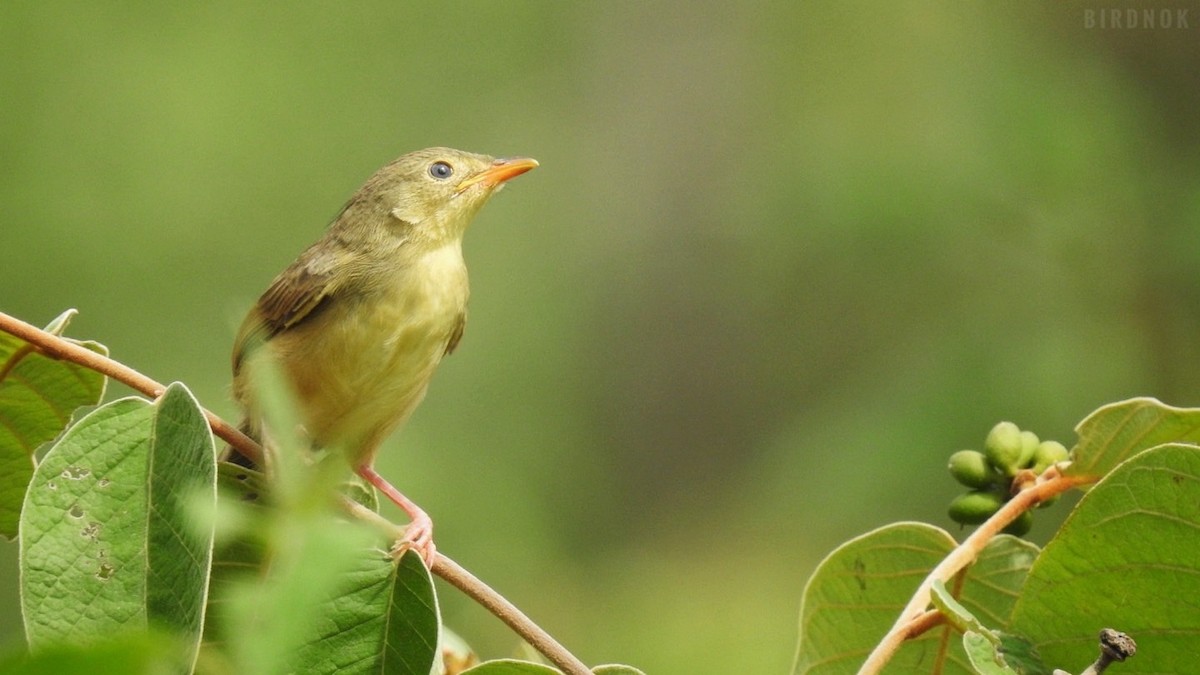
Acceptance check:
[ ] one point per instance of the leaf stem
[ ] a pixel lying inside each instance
(914, 619)
(60, 348)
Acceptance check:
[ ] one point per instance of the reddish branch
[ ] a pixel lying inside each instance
(60, 348)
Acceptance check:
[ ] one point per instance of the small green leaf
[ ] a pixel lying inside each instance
(981, 650)
(1127, 558)
(37, 395)
(956, 614)
(382, 618)
(1118, 431)
(511, 667)
(616, 669)
(105, 540)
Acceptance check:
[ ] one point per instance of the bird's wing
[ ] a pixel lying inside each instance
(295, 295)
(457, 333)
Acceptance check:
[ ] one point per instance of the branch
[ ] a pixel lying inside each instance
(60, 348)
(914, 620)
(509, 614)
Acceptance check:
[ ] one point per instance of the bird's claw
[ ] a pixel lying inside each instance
(418, 538)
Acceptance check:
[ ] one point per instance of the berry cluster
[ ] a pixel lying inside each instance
(992, 475)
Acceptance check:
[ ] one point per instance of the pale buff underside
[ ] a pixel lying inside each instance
(391, 343)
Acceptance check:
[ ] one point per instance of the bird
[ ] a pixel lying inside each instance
(359, 322)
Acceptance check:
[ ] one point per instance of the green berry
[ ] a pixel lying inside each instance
(971, 468)
(1003, 447)
(1021, 525)
(1029, 444)
(1048, 453)
(974, 507)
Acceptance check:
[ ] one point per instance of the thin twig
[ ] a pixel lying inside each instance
(912, 620)
(60, 348)
(507, 612)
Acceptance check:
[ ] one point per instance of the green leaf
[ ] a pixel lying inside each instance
(856, 593)
(134, 654)
(37, 395)
(1127, 558)
(1021, 655)
(267, 617)
(958, 615)
(382, 618)
(1118, 431)
(183, 474)
(511, 667)
(859, 590)
(106, 543)
(982, 653)
(993, 583)
(989, 652)
(516, 667)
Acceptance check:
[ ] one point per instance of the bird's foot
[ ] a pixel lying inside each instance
(418, 538)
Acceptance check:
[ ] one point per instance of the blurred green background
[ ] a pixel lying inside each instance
(781, 259)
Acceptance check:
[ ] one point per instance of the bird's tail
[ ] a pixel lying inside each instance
(231, 455)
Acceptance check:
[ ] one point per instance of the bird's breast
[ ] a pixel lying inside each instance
(371, 365)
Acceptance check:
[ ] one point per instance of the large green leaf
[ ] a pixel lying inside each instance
(383, 618)
(37, 395)
(106, 541)
(1127, 558)
(1118, 431)
(859, 590)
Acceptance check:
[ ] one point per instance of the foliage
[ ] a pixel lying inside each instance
(128, 555)
(1127, 556)
(131, 562)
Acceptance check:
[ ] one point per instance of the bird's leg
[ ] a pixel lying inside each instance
(418, 536)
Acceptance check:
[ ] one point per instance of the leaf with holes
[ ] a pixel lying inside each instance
(106, 541)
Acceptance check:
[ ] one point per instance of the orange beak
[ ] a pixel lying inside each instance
(501, 170)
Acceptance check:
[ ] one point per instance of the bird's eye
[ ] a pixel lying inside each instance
(441, 170)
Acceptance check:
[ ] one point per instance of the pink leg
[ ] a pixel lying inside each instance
(418, 536)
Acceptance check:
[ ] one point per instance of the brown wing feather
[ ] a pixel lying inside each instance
(294, 295)
(457, 333)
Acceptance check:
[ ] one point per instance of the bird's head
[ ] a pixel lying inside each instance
(433, 194)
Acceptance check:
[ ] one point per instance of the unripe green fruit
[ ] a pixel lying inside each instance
(971, 468)
(1021, 525)
(1029, 444)
(974, 507)
(1003, 447)
(1048, 453)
